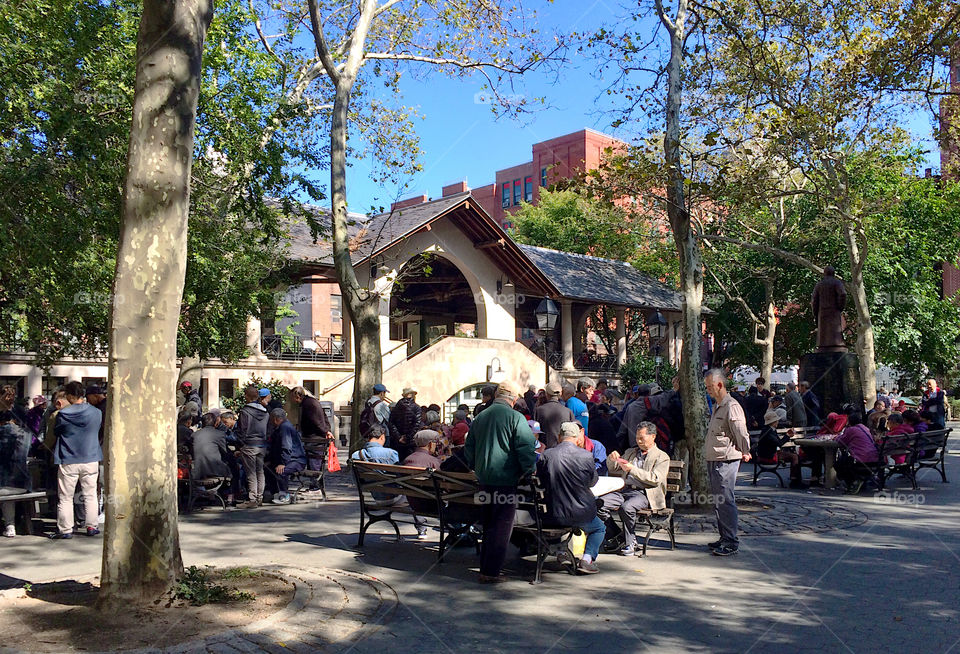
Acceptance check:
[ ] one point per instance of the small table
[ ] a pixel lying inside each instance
(830, 448)
(606, 485)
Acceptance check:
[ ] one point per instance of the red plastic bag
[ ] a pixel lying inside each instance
(333, 463)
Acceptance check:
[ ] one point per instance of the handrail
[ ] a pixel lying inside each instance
(354, 373)
(394, 349)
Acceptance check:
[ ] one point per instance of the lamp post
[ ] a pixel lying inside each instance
(546, 313)
(657, 329)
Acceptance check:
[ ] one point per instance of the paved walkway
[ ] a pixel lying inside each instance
(823, 574)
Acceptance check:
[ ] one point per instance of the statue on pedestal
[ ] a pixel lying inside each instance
(829, 299)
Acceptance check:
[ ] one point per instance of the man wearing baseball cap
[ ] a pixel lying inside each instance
(501, 449)
(551, 414)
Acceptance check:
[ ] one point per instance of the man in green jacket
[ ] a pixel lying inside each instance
(501, 449)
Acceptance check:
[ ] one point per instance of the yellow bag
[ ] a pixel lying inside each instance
(578, 542)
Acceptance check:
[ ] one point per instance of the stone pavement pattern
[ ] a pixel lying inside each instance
(880, 576)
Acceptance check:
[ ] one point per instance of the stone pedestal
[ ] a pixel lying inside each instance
(834, 378)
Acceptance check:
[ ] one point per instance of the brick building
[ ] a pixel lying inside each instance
(557, 158)
(950, 153)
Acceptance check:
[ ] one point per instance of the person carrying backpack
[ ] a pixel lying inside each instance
(376, 412)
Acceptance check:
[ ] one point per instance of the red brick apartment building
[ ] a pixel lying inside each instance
(558, 158)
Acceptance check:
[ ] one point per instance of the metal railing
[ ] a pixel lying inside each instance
(285, 347)
(585, 361)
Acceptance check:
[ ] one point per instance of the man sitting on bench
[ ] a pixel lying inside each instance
(426, 442)
(375, 452)
(567, 472)
(644, 470)
(286, 453)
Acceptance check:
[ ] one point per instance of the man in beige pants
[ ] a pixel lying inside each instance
(77, 452)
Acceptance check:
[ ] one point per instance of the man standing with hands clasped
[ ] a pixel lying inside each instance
(727, 444)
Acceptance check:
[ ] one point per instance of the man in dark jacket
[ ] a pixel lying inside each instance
(252, 434)
(567, 472)
(501, 449)
(811, 404)
(286, 453)
(486, 399)
(426, 441)
(406, 419)
(313, 425)
(78, 454)
(14, 476)
(551, 414)
(210, 454)
(754, 406)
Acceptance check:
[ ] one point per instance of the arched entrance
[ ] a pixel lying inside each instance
(469, 396)
(431, 299)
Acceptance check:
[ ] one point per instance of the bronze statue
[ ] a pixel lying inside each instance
(829, 298)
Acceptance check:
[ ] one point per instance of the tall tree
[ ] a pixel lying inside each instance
(367, 44)
(141, 554)
(71, 65)
(806, 86)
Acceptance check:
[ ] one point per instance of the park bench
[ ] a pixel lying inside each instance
(450, 497)
(660, 519)
(773, 466)
(531, 512)
(890, 448)
(31, 502)
(397, 483)
(930, 448)
(207, 489)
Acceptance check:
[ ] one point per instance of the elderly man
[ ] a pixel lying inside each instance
(793, 403)
(644, 470)
(567, 473)
(424, 456)
(551, 414)
(811, 404)
(935, 402)
(406, 419)
(726, 445)
(501, 449)
(486, 399)
(314, 425)
(286, 454)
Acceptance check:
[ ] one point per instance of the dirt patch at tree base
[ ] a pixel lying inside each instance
(61, 616)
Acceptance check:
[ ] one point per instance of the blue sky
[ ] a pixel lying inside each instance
(461, 138)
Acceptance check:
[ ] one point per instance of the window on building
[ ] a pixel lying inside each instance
(311, 386)
(227, 388)
(543, 177)
(336, 309)
(506, 195)
(516, 191)
(528, 189)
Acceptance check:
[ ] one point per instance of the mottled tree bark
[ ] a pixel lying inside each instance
(141, 554)
(363, 304)
(692, 389)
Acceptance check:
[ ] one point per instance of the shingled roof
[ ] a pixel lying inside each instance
(602, 281)
(573, 276)
(367, 236)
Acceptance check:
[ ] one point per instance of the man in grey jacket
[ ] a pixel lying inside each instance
(78, 454)
(252, 433)
(793, 402)
(726, 445)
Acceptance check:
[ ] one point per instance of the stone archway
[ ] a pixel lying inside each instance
(431, 298)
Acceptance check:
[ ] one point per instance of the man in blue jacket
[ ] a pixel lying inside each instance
(78, 454)
(286, 453)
